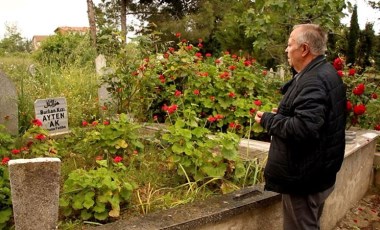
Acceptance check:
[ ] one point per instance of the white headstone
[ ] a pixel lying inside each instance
(53, 114)
(8, 104)
(105, 98)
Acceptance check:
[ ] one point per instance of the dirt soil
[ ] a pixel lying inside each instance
(365, 215)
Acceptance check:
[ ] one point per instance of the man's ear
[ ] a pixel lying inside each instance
(305, 49)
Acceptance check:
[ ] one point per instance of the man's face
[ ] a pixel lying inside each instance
(294, 51)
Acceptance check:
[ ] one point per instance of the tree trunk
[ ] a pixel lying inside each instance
(91, 20)
(123, 20)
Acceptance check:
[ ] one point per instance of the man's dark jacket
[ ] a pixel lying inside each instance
(308, 132)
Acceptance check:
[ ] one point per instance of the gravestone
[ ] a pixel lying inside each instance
(35, 192)
(104, 96)
(53, 114)
(8, 105)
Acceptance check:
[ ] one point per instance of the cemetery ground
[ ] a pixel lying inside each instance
(365, 215)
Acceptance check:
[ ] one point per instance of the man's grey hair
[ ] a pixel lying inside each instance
(314, 36)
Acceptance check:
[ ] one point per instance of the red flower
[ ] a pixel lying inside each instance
(211, 119)
(37, 122)
(155, 117)
(15, 151)
(84, 123)
(200, 45)
(177, 93)
(117, 159)
(224, 75)
(231, 94)
(24, 148)
(348, 106)
(190, 47)
(217, 61)
(208, 55)
(170, 109)
(351, 72)
(265, 72)
(99, 158)
(219, 116)
(212, 98)
(5, 160)
(30, 143)
(196, 91)
(203, 74)
(106, 122)
(247, 63)
(359, 89)
(104, 107)
(252, 112)
(198, 54)
(94, 123)
(377, 127)
(40, 137)
(374, 96)
(162, 78)
(178, 34)
(338, 64)
(171, 49)
(340, 73)
(257, 102)
(135, 152)
(232, 125)
(232, 67)
(359, 109)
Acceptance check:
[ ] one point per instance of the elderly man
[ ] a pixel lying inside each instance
(307, 130)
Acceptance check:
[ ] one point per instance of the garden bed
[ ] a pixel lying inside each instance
(257, 209)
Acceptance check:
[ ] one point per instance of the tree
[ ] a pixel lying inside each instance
(353, 37)
(92, 22)
(269, 27)
(365, 47)
(13, 42)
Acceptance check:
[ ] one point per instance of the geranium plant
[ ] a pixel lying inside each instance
(362, 96)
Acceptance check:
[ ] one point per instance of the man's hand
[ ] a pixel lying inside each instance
(258, 116)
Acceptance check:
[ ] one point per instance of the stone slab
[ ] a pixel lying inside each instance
(35, 192)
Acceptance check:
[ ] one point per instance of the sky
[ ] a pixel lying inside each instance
(42, 17)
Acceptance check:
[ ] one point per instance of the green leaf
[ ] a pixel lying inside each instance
(212, 171)
(99, 207)
(177, 148)
(5, 215)
(67, 211)
(88, 200)
(85, 215)
(63, 202)
(257, 128)
(179, 124)
(239, 170)
(229, 154)
(199, 132)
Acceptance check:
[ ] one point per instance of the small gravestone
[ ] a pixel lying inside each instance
(53, 114)
(104, 96)
(35, 192)
(8, 105)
